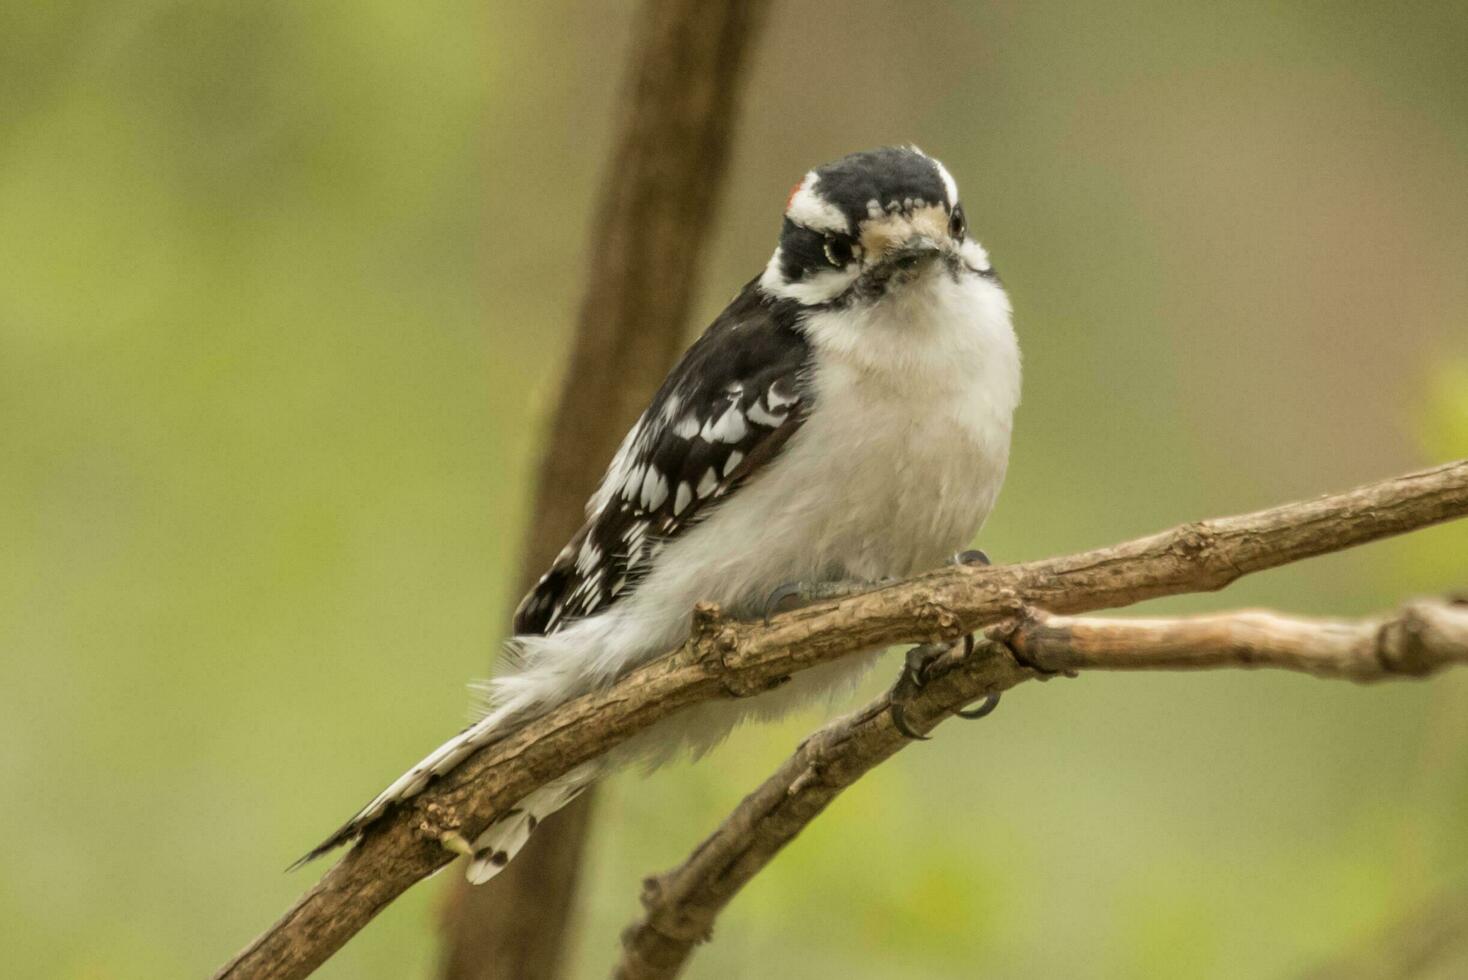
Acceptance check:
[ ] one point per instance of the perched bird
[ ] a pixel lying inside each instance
(845, 419)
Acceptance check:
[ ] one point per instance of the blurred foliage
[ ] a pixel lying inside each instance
(281, 292)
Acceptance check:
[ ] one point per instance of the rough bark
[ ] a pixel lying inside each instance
(728, 659)
(681, 905)
(686, 69)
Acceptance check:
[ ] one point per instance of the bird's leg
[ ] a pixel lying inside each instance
(924, 656)
(920, 658)
(796, 595)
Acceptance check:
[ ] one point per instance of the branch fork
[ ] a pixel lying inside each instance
(1423, 637)
(728, 659)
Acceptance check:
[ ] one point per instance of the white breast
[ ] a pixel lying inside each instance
(896, 468)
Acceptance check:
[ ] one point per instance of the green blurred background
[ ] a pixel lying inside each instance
(283, 290)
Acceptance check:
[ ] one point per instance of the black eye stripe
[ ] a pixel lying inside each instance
(838, 250)
(800, 250)
(805, 252)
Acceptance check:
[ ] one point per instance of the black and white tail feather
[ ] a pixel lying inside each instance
(846, 416)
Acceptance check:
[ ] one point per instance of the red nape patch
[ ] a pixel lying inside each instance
(793, 191)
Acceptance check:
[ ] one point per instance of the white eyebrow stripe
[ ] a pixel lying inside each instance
(809, 209)
(949, 184)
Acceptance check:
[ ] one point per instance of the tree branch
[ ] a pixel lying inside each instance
(687, 67)
(682, 904)
(728, 659)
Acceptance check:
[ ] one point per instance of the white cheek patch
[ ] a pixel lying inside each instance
(974, 254)
(809, 209)
(813, 290)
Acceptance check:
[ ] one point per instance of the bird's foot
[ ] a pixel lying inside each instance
(796, 595)
(915, 675)
(972, 557)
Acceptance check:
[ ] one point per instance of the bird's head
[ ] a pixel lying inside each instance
(867, 227)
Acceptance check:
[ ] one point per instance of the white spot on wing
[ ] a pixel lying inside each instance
(588, 558)
(709, 481)
(759, 416)
(654, 489)
(633, 483)
(735, 458)
(779, 399)
(729, 428)
(683, 498)
(686, 428)
(617, 472)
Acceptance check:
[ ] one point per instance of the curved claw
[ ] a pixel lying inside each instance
(973, 714)
(919, 658)
(787, 591)
(973, 556)
(899, 722)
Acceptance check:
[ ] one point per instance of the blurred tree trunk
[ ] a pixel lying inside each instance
(687, 61)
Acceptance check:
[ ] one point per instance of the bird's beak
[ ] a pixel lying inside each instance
(918, 250)
(901, 242)
(901, 246)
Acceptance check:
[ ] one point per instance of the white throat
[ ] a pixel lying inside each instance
(934, 335)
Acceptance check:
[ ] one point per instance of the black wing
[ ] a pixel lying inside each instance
(727, 408)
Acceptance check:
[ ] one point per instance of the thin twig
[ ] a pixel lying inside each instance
(728, 659)
(682, 904)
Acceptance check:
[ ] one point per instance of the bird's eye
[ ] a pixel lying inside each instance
(838, 251)
(957, 227)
